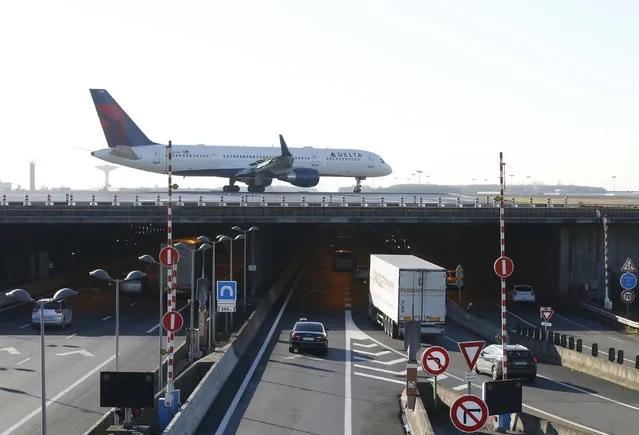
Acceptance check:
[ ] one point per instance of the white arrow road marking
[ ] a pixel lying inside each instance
(368, 346)
(11, 350)
(81, 352)
(380, 353)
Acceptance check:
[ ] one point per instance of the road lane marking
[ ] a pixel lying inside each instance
(133, 304)
(94, 297)
(575, 323)
(367, 346)
(107, 318)
(380, 353)
(58, 396)
(24, 326)
(240, 392)
(349, 325)
(460, 387)
(615, 339)
(71, 336)
(347, 305)
(158, 325)
(23, 361)
(379, 378)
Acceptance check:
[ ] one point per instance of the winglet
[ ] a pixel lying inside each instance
(285, 151)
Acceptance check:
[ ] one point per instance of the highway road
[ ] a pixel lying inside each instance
(589, 330)
(354, 389)
(305, 393)
(75, 356)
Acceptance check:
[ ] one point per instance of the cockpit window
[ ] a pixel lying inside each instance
(382, 161)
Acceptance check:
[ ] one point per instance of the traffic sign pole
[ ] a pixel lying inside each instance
(435, 361)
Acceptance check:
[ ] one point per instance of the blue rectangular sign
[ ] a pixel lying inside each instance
(227, 291)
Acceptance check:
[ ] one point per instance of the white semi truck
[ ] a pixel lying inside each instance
(405, 287)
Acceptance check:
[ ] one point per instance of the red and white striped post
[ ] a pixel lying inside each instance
(607, 301)
(502, 246)
(170, 300)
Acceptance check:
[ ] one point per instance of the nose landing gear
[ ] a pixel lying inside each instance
(358, 184)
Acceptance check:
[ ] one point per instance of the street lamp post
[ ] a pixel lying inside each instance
(184, 246)
(223, 238)
(104, 276)
(244, 232)
(24, 296)
(149, 259)
(212, 311)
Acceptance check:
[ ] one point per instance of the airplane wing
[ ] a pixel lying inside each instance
(272, 166)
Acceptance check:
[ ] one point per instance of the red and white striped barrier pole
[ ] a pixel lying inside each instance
(502, 246)
(607, 301)
(170, 301)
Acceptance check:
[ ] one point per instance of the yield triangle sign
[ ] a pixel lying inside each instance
(547, 313)
(471, 351)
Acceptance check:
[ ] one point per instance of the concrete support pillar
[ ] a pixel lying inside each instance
(564, 259)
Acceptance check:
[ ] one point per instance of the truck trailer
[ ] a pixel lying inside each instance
(405, 287)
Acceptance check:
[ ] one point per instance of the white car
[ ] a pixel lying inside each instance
(55, 313)
(522, 293)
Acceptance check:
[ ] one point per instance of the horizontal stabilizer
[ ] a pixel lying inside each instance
(124, 152)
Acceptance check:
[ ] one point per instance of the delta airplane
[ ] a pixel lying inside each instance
(255, 166)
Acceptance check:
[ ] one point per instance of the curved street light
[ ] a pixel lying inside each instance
(244, 233)
(24, 296)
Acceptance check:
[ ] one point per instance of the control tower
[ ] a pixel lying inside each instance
(107, 170)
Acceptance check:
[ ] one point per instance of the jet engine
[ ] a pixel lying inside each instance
(301, 177)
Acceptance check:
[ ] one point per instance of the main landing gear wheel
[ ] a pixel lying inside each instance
(358, 184)
(256, 189)
(231, 189)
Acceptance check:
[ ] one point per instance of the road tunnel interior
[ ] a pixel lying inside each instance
(532, 247)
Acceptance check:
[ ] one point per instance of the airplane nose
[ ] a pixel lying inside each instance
(389, 170)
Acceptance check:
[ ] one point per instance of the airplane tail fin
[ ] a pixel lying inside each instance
(118, 127)
(285, 151)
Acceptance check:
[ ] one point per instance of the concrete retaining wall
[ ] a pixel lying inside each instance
(187, 420)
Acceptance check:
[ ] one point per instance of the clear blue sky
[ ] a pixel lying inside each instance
(439, 86)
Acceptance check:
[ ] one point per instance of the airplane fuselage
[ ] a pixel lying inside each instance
(226, 161)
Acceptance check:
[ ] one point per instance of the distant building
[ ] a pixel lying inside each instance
(5, 186)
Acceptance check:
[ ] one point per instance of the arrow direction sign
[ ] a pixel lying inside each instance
(435, 360)
(11, 350)
(81, 352)
(628, 266)
(471, 351)
(365, 352)
(546, 313)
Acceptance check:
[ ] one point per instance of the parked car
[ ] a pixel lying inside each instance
(522, 293)
(55, 313)
(522, 363)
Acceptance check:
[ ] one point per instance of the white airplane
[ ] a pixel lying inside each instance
(255, 166)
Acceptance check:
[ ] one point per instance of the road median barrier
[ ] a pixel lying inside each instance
(620, 323)
(191, 413)
(474, 324)
(419, 422)
(556, 349)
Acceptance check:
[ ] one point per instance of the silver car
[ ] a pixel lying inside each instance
(55, 313)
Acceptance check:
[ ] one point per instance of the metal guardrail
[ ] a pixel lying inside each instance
(608, 314)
